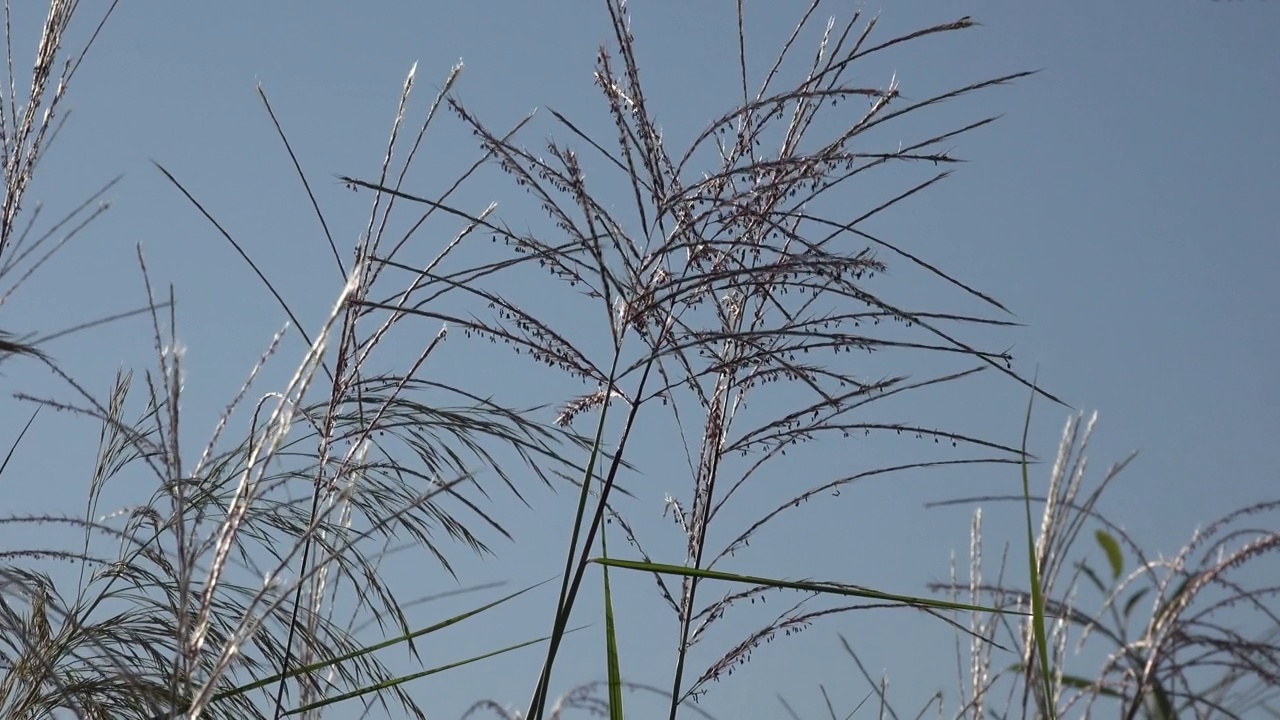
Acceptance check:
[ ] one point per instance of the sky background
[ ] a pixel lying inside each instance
(1123, 208)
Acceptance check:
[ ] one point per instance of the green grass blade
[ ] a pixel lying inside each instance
(565, 603)
(611, 639)
(1159, 705)
(1112, 549)
(304, 669)
(1037, 595)
(1133, 601)
(1093, 578)
(415, 676)
(1081, 683)
(826, 588)
(1174, 602)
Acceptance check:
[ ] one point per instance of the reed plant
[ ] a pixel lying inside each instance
(726, 295)
(1191, 634)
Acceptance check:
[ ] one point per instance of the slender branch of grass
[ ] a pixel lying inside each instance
(611, 639)
(1048, 702)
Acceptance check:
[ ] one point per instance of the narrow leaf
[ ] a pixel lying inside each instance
(611, 639)
(826, 588)
(1112, 549)
(304, 669)
(415, 676)
(1037, 593)
(1133, 600)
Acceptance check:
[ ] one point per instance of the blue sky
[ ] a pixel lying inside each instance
(1122, 208)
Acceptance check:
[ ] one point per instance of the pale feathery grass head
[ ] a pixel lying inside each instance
(1168, 647)
(32, 113)
(233, 590)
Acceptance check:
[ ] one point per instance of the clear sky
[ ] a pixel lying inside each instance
(1123, 208)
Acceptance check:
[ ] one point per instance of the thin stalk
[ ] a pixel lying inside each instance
(1048, 706)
